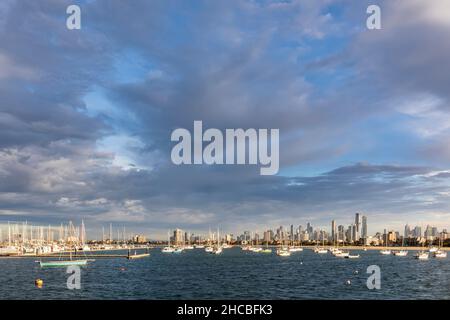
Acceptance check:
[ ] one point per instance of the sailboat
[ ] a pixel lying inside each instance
(401, 253)
(343, 254)
(422, 255)
(199, 245)
(255, 248)
(321, 250)
(293, 247)
(218, 249)
(283, 251)
(168, 249)
(188, 246)
(70, 262)
(266, 249)
(440, 253)
(352, 256)
(335, 250)
(209, 248)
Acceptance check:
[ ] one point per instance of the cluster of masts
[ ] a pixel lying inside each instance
(26, 234)
(22, 234)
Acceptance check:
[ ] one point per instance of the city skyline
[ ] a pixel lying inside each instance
(336, 230)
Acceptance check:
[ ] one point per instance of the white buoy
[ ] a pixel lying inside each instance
(348, 282)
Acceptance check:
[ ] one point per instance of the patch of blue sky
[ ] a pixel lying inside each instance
(119, 141)
(383, 140)
(376, 140)
(98, 105)
(131, 66)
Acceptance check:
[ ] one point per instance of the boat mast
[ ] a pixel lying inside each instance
(168, 238)
(9, 234)
(218, 238)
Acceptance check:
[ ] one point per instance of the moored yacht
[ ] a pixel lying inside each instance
(335, 251)
(168, 249)
(342, 254)
(440, 254)
(320, 250)
(283, 252)
(422, 255)
(400, 253)
(386, 251)
(217, 250)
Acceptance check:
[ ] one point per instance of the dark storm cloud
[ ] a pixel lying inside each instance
(50, 70)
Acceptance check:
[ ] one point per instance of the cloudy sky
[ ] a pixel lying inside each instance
(86, 115)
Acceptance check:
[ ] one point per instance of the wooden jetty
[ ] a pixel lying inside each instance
(138, 256)
(109, 256)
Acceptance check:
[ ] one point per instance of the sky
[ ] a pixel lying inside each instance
(86, 115)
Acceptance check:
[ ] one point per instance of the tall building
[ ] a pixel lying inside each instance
(417, 232)
(357, 227)
(407, 232)
(139, 238)
(349, 234)
(309, 228)
(292, 233)
(391, 236)
(341, 233)
(428, 234)
(364, 234)
(434, 232)
(267, 236)
(228, 238)
(178, 236)
(333, 231)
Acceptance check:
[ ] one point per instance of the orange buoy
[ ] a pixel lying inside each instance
(39, 283)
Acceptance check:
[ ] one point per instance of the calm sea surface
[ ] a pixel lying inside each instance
(235, 274)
